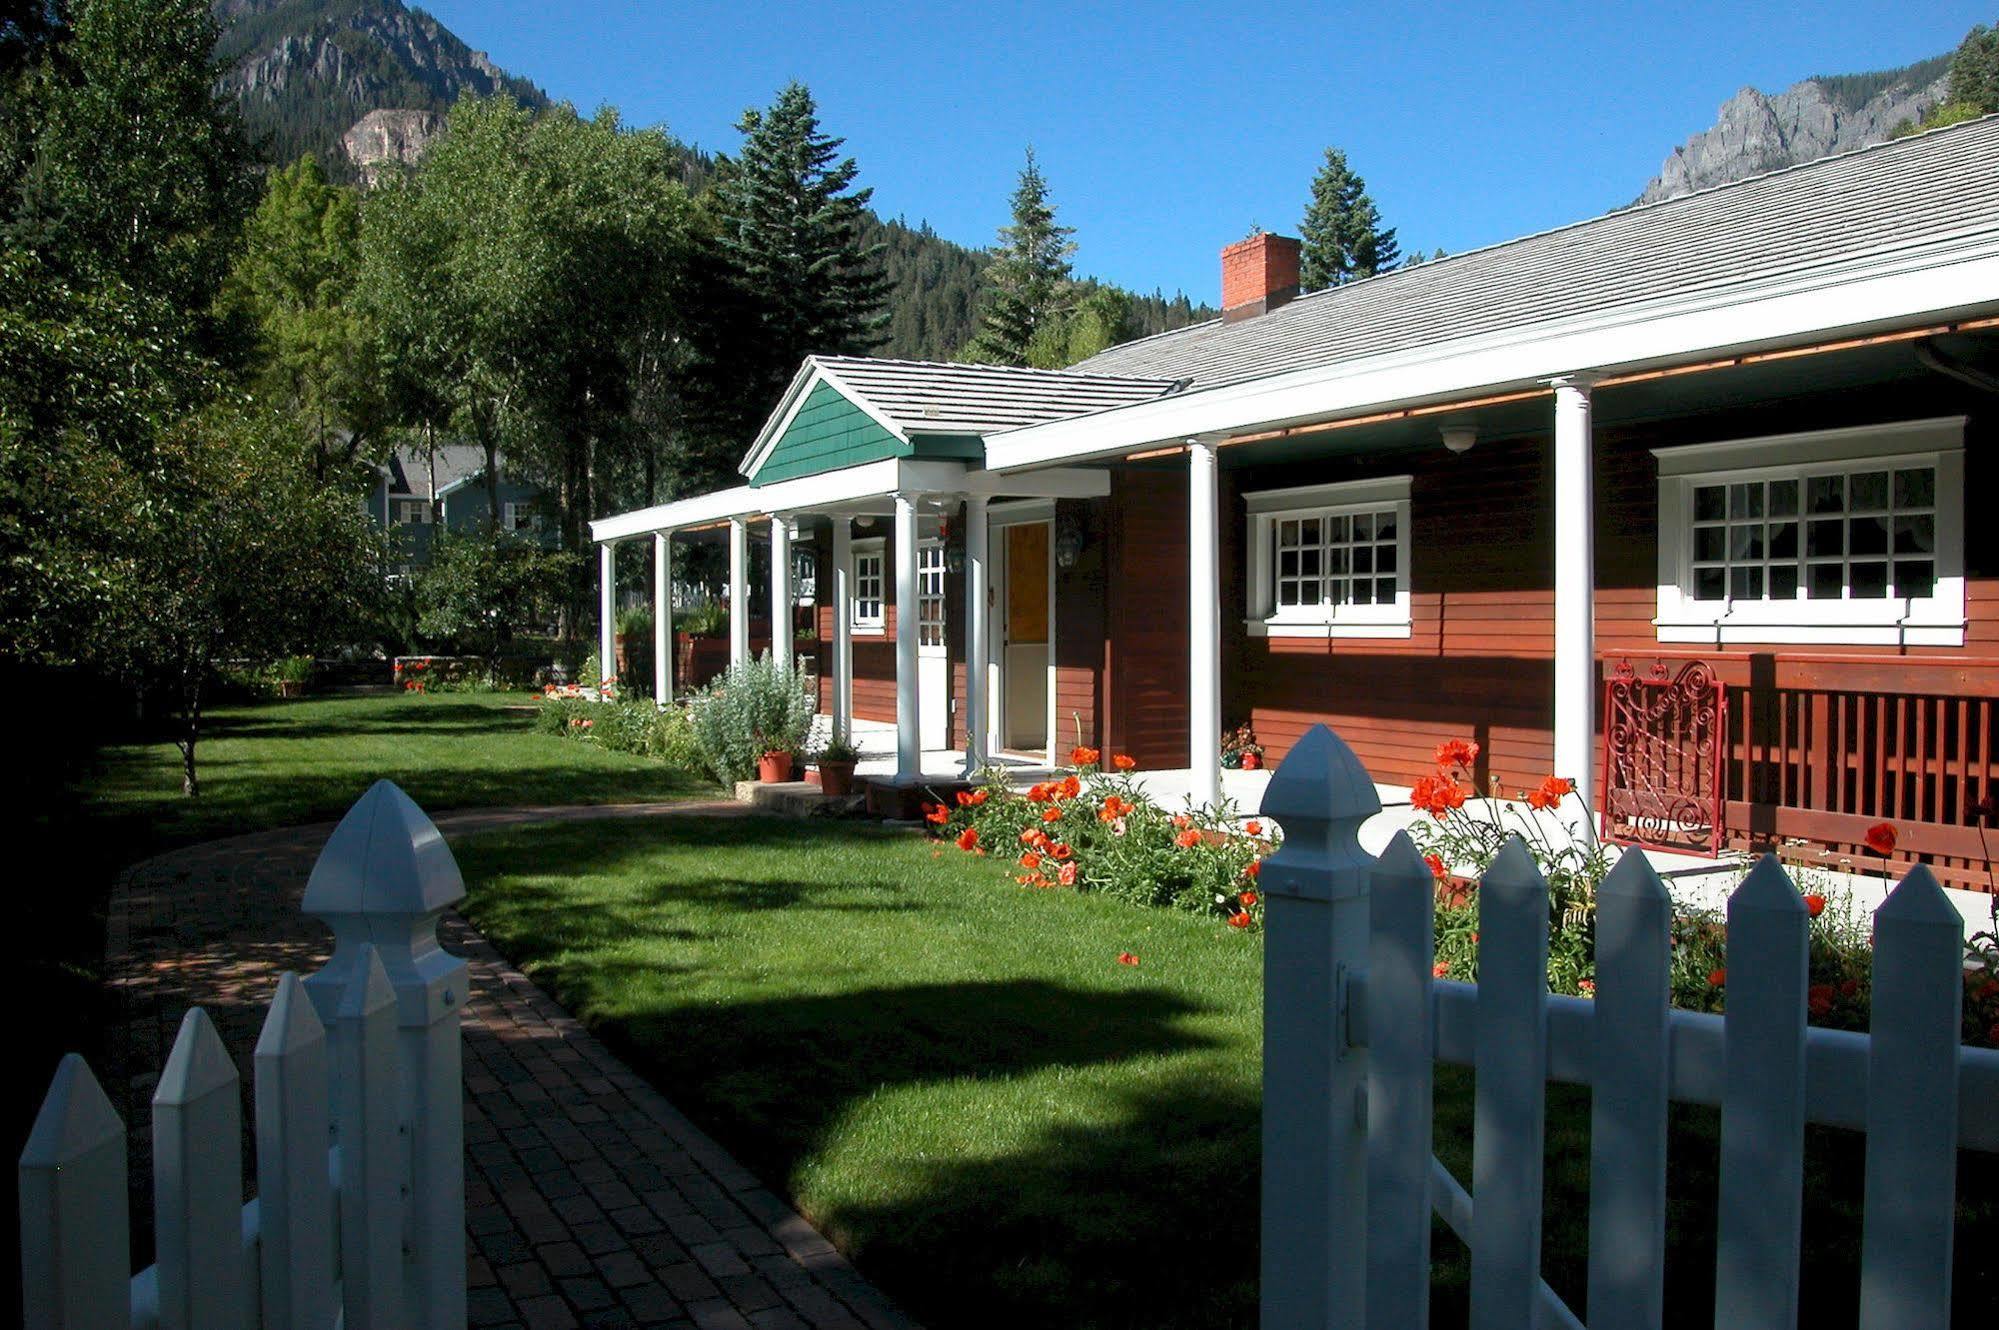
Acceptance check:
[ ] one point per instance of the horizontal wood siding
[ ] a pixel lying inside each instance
(828, 433)
(1145, 595)
(874, 653)
(1079, 627)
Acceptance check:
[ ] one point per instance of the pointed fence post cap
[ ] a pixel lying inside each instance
(1918, 899)
(291, 1024)
(1632, 877)
(198, 1063)
(1319, 780)
(1513, 875)
(76, 1118)
(385, 858)
(1767, 888)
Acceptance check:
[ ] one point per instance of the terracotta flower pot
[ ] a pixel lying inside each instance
(774, 768)
(291, 688)
(836, 779)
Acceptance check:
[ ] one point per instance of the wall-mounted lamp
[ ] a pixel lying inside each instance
(1459, 438)
(954, 550)
(1068, 541)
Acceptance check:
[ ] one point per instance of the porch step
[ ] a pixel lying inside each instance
(795, 798)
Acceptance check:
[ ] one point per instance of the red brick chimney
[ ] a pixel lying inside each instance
(1258, 274)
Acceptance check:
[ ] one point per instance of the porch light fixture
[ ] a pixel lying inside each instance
(1068, 542)
(954, 551)
(1459, 438)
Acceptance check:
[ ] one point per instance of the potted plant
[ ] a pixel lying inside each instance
(1240, 750)
(752, 720)
(294, 672)
(836, 767)
(774, 766)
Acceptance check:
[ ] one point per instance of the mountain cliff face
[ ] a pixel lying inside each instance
(306, 71)
(1756, 132)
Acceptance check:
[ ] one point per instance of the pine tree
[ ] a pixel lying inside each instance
(791, 236)
(1028, 283)
(1343, 235)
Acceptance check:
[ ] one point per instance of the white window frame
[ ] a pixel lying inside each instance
(929, 565)
(875, 550)
(414, 512)
(1269, 507)
(1934, 620)
(519, 515)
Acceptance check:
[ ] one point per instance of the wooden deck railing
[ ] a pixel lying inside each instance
(1823, 746)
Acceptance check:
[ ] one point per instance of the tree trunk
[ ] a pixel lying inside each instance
(492, 481)
(190, 783)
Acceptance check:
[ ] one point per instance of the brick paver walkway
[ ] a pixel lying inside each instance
(590, 1200)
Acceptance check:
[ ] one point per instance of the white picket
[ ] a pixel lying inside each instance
(198, 1182)
(1912, 1072)
(367, 1103)
(1509, 1104)
(1402, 950)
(1757, 1228)
(76, 1249)
(1627, 1209)
(294, 1192)
(1314, 1085)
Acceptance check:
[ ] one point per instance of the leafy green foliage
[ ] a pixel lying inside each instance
(480, 591)
(757, 707)
(1342, 230)
(1028, 280)
(636, 727)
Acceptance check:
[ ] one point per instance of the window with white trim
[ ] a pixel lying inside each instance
(930, 594)
(412, 512)
(868, 615)
(519, 515)
(1330, 560)
(1847, 536)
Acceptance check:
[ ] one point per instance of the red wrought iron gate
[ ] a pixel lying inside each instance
(1664, 738)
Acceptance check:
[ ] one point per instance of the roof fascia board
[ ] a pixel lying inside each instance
(1927, 286)
(860, 399)
(803, 494)
(779, 420)
(1062, 482)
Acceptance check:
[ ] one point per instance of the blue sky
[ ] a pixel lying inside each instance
(1168, 130)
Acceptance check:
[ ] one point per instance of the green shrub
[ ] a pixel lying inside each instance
(709, 620)
(636, 727)
(757, 707)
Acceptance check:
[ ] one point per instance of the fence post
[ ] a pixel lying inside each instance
(294, 1198)
(198, 1181)
(385, 878)
(76, 1253)
(1314, 1265)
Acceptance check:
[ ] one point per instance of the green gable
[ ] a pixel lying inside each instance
(830, 433)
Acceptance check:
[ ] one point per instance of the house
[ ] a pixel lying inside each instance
(422, 491)
(1733, 436)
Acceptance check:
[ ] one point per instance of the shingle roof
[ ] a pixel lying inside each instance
(1915, 192)
(925, 398)
(409, 469)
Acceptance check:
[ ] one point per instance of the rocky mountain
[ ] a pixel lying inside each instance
(1756, 132)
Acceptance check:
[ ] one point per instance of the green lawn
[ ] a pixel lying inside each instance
(953, 1078)
(276, 764)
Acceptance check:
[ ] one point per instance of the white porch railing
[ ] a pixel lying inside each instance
(359, 1219)
(1354, 1023)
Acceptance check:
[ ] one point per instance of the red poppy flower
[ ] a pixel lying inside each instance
(1248, 898)
(1070, 787)
(1253, 869)
(1252, 828)
(1456, 753)
(1881, 838)
(1437, 796)
(1126, 958)
(1240, 919)
(979, 797)
(1124, 761)
(1818, 999)
(1814, 905)
(1440, 969)
(1586, 986)
(1551, 792)
(1030, 859)
(1436, 863)
(1848, 987)
(1066, 874)
(968, 839)
(1059, 852)
(1187, 839)
(1051, 815)
(1182, 821)
(1250, 761)
(1083, 757)
(1717, 978)
(938, 815)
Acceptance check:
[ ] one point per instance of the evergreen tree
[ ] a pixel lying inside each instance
(1027, 283)
(1342, 231)
(790, 236)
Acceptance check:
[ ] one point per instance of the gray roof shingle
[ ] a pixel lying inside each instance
(926, 398)
(1917, 192)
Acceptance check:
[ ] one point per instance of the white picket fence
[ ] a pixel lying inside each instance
(359, 1218)
(1354, 1023)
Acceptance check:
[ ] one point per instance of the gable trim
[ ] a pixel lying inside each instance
(810, 375)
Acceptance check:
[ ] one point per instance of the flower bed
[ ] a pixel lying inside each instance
(464, 674)
(636, 727)
(1093, 829)
(1467, 828)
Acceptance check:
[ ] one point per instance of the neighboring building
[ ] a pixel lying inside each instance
(1739, 427)
(419, 494)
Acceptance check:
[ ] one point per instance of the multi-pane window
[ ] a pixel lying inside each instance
(930, 595)
(868, 588)
(412, 512)
(1869, 533)
(519, 516)
(1334, 558)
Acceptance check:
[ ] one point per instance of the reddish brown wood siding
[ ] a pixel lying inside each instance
(1145, 592)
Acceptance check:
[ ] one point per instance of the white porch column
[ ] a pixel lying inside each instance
(978, 617)
(607, 609)
(1575, 587)
(739, 590)
(843, 627)
(1204, 624)
(662, 618)
(908, 718)
(780, 590)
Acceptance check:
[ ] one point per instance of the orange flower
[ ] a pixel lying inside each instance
(1187, 839)
(1248, 898)
(1113, 809)
(1070, 787)
(1550, 793)
(1456, 753)
(1040, 794)
(1030, 860)
(1881, 838)
(1028, 836)
(1587, 986)
(1124, 761)
(1083, 757)
(1814, 905)
(1437, 796)
(1067, 874)
(1181, 821)
(1440, 969)
(968, 839)
(1254, 867)
(937, 815)
(1051, 815)
(1436, 862)
(1240, 919)
(1058, 852)
(964, 798)
(1717, 978)
(1126, 958)
(1252, 828)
